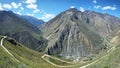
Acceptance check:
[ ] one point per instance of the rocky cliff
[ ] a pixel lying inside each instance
(75, 34)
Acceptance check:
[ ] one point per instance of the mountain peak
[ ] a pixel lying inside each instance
(77, 34)
(89, 11)
(9, 11)
(72, 10)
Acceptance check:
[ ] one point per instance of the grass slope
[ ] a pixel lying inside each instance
(112, 60)
(28, 58)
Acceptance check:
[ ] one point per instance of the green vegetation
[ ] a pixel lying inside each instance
(28, 58)
(110, 61)
(69, 35)
(58, 62)
(43, 44)
(5, 60)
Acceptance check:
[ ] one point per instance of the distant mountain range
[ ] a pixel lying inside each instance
(20, 29)
(33, 20)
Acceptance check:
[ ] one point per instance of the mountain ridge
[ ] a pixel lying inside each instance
(33, 20)
(77, 34)
(20, 29)
(90, 37)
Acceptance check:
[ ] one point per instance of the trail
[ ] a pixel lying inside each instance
(7, 50)
(45, 55)
(109, 51)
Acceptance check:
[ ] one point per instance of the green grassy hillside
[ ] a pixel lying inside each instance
(112, 60)
(28, 58)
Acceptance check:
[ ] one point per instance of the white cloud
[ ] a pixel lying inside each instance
(94, 1)
(47, 16)
(105, 7)
(21, 8)
(82, 9)
(18, 13)
(30, 1)
(8, 6)
(97, 7)
(72, 6)
(32, 6)
(15, 5)
(109, 8)
(30, 14)
(1, 7)
(36, 10)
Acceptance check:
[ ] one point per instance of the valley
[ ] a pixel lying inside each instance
(69, 38)
(55, 62)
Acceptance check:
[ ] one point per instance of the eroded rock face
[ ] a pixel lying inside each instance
(77, 35)
(104, 24)
(115, 40)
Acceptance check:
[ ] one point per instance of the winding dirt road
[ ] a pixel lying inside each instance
(7, 50)
(109, 51)
(45, 55)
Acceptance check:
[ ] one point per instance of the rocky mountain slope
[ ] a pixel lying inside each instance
(72, 34)
(33, 20)
(111, 60)
(115, 40)
(75, 34)
(20, 29)
(104, 24)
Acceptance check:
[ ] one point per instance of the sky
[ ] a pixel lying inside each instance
(47, 9)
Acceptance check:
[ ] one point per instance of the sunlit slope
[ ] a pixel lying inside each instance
(112, 60)
(28, 58)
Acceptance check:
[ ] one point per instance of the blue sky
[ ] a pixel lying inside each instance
(47, 9)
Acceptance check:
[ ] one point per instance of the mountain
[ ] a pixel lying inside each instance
(15, 55)
(111, 59)
(20, 29)
(79, 35)
(89, 37)
(33, 20)
(19, 56)
(104, 24)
